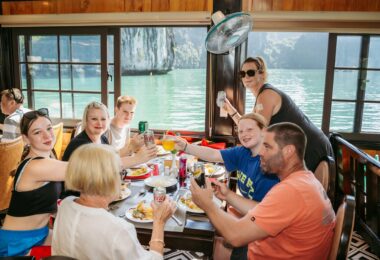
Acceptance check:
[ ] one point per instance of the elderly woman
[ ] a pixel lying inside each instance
(95, 123)
(84, 229)
(36, 188)
(277, 107)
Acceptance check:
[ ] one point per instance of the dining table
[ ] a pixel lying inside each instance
(190, 231)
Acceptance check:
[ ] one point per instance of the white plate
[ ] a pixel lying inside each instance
(213, 170)
(128, 215)
(160, 181)
(188, 209)
(124, 193)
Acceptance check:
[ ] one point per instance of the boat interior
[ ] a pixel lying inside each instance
(353, 174)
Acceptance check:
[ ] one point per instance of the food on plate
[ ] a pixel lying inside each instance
(140, 171)
(188, 202)
(160, 181)
(142, 211)
(124, 191)
(209, 168)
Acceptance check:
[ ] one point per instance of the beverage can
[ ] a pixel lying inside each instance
(182, 173)
(143, 126)
(159, 194)
(149, 138)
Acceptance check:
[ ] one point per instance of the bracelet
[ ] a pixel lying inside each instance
(157, 240)
(184, 149)
(234, 114)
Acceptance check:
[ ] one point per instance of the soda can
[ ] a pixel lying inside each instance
(143, 126)
(159, 194)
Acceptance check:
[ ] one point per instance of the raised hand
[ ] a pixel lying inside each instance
(201, 197)
(220, 190)
(163, 211)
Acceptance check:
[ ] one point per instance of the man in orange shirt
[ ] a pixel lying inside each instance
(295, 220)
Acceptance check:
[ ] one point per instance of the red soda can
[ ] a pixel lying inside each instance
(159, 194)
(182, 172)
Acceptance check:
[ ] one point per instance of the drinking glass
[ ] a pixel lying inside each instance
(149, 138)
(169, 145)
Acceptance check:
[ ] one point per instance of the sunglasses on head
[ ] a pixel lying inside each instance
(249, 73)
(39, 112)
(13, 95)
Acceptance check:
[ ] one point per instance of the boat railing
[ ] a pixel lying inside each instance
(358, 174)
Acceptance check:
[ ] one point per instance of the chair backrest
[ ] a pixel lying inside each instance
(58, 132)
(10, 157)
(345, 219)
(325, 173)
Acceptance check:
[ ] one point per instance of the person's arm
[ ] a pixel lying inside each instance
(132, 146)
(225, 223)
(267, 104)
(47, 170)
(232, 111)
(143, 155)
(161, 214)
(202, 152)
(243, 205)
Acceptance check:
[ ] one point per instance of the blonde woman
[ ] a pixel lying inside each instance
(95, 122)
(84, 229)
(36, 188)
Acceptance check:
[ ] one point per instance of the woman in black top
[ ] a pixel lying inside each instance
(36, 188)
(276, 106)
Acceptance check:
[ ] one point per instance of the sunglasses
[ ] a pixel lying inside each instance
(249, 73)
(39, 112)
(13, 95)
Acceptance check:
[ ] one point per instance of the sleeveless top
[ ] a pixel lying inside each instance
(33, 202)
(318, 146)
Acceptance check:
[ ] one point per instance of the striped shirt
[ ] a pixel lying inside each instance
(11, 129)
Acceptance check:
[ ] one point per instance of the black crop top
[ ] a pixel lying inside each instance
(33, 202)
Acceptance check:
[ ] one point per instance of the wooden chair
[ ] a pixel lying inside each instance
(58, 132)
(325, 173)
(345, 218)
(10, 157)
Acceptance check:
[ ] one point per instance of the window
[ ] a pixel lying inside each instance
(164, 68)
(356, 87)
(296, 65)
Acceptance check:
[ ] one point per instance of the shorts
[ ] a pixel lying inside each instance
(19, 242)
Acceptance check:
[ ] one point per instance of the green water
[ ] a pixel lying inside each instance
(177, 100)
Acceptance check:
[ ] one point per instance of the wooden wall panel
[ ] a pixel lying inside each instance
(312, 5)
(105, 6)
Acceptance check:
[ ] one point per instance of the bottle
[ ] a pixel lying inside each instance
(182, 173)
(166, 171)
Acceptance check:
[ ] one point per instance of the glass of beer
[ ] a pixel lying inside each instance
(168, 143)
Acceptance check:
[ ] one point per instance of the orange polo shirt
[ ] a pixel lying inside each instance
(298, 216)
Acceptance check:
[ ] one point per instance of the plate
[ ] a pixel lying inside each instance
(186, 205)
(124, 192)
(142, 172)
(213, 170)
(129, 215)
(160, 181)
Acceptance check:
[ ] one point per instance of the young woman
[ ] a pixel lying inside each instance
(36, 188)
(84, 229)
(276, 107)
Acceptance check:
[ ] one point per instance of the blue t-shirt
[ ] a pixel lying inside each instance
(252, 182)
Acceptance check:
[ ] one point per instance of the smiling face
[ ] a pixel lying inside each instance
(125, 113)
(249, 133)
(251, 82)
(271, 157)
(40, 135)
(96, 122)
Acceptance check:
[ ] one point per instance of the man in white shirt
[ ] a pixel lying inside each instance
(11, 105)
(119, 133)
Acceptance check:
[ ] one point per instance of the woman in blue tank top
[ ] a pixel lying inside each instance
(276, 107)
(35, 190)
